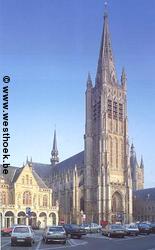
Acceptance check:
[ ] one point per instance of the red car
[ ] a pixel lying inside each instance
(7, 231)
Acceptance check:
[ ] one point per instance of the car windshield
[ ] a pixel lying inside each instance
(56, 229)
(132, 226)
(74, 226)
(116, 227)
(21, 230)
(144, 225)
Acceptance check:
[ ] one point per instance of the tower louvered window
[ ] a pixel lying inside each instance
(94, 112)
(115, 110)
(99, 108)
(120, 111)
(109, 108)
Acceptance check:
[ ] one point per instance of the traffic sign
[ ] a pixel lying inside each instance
(28, 211)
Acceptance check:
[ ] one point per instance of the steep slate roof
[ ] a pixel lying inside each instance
(143, 194)
(70, 163)
(38, 179)
(46, 170)
(14, 172)
(43, 171)
(11, 173)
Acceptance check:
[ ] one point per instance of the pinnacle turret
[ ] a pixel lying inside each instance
(141, 162)
(89, 81)
(54, 159)
(123, 78)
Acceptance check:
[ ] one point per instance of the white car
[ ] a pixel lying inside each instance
(131, 229)
(92, 227)
(22, 234)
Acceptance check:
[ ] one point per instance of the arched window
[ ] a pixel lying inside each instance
(30, 180)
(23, 180)
(110, 151)
(27, 179)
(82, 204)
(27, 198)
(45, 201)
(39, 200)
(115, 152)
(34, 199)
(4, 198)
(71, 203)
(122, 154)
(117, 203)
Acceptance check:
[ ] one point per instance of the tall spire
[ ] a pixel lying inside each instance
(106, 72)
(54, 159)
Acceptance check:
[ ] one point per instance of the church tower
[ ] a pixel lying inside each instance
(54, 153)
(107, 182)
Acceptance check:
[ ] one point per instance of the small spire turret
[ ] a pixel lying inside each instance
(142, 163)
(54, 159)
(123, 78)
(89, 81)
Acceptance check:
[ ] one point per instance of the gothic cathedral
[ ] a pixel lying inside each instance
(96, 183)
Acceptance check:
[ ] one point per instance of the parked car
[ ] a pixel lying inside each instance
(152, 227)
(112, 230)
(95, 228)
(22, 234)
(131, 229)
(74, 230)
(7, 231)
(92, 227)
(54, 233)
(86, 227)
(144, 228)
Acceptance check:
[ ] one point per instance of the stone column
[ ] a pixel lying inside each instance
(3, 220)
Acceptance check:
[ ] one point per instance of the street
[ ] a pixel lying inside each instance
(89, 242)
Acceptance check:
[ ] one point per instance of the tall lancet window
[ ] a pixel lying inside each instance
(122, 153)
(116, 152)
(109, 108)
(120, 111)
(110, 151)
(115, 110)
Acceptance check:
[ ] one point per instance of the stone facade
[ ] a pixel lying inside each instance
(24, 188)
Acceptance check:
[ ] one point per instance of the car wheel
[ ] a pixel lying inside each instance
(109, 234)
(31, 243)
(148, 233)
(122, 236)
(46, 240)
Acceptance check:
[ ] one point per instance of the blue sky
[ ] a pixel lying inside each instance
(48, 47)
